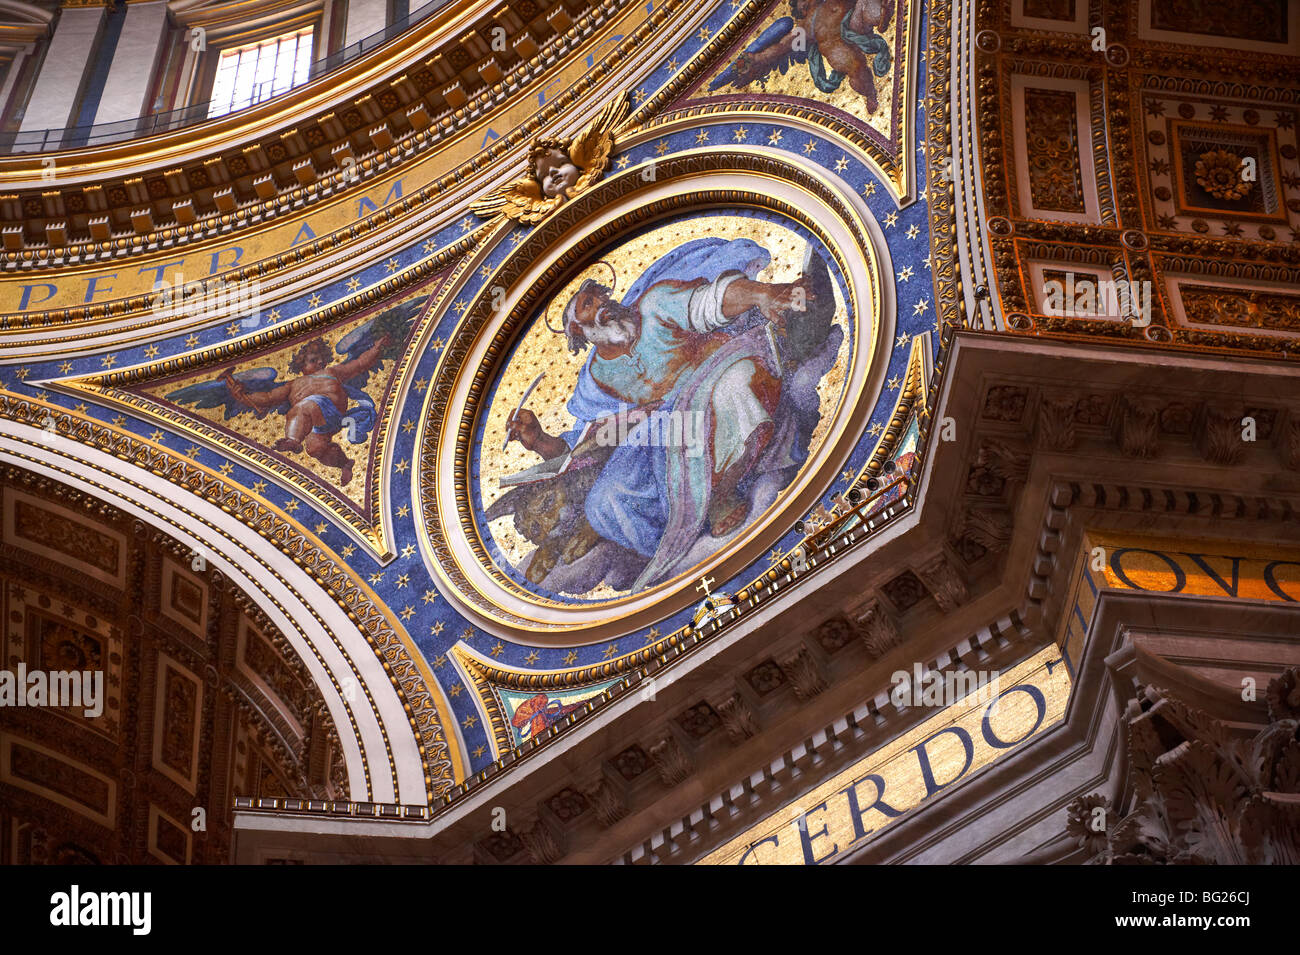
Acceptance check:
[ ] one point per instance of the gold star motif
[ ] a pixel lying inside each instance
(108, 361)
(156, 436)
(437, 344)
(348, 550)
(192, 341)
(469, 722)
(810, 147)
(652, 635)
(151, 351)
(392, 264)
(407, 612)
(408, 426)
(479, 751)
(402, 465)
(902, 339)
(291, 506)
(313, 301)
(80, 408)
(498, 649)
(531, 658)
(741, 133)
(377, 576)
(906, 274)
(622, 161)
(403, 580)
(869, 189)
(437, 628)
(232, 329)
(408, 550)
(321, 527)
(774, 138)
(404, 510)
(226, 468)
(467, 634)
(466, 224)
(639, 96)
(672, 64)
(421, 384)
(430, 596)
(66, 367)
(439, 661)
(192, 451)
(890, 219)
(354, 283)
(571, 657)
(23, 373)
(259, 487)
(611, 650)
(875, 429)
(661, 147)
(275, 315)
(429, 246)
(119, 420)
(841, 164)
(704, 34)
(454, 691)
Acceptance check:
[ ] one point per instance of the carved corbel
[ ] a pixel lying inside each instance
(879, 632)
(670, 760)
(607, 803)
(737, 718)
(1137, 426)
(801, 669)
(943, 582)
(541, 843)
(1220, 436)
(1056, 422)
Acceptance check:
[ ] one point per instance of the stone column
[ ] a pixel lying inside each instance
(364, 18)
(66, 61)
(134, 61)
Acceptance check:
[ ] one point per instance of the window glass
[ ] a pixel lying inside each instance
(249, 74)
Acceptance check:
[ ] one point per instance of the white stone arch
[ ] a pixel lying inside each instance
(380, 746)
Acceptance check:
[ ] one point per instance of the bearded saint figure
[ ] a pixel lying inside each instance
(623, 500)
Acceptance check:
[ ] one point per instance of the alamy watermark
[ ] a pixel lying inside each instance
(213, 298)
(1098, 298)
(933, 688)
(653, 429)
(70, 688)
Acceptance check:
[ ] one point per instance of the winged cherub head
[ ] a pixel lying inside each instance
(550, 164)
(311, 357)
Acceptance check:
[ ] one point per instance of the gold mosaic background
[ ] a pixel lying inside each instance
(541, 350)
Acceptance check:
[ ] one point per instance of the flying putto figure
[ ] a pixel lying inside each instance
(324, 399)
(836, 38)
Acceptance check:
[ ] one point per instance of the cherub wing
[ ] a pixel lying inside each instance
(216, 393)
(590, 149)
(521, 200)
(772, 50)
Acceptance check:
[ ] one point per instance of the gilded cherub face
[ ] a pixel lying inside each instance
(556, 172)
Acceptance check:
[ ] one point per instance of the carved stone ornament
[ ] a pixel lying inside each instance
(557, 170)
(671, 760)
(1204, 794)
